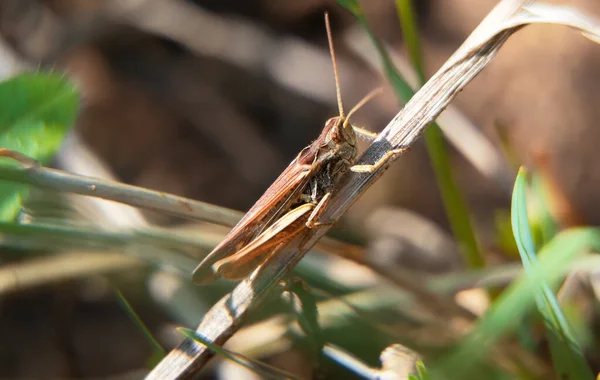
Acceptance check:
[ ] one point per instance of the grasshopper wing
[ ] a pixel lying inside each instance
(275, 202)
(278, 198)
(286, 228)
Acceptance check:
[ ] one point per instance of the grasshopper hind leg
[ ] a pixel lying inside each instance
(266, 259)
(313, 219)
(232, 270)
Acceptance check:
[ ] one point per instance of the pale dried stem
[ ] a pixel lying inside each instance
(52, 179)
(227, 315)
(457, 128)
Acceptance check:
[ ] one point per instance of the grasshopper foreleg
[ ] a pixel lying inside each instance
(370, 168)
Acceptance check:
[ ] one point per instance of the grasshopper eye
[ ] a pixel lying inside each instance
(337, 134)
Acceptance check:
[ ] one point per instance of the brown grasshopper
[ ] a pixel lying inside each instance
(294, 201)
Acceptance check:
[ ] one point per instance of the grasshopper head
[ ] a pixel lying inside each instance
(340, 132)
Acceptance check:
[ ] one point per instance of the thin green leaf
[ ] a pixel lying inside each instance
(567, 357)
(507, 313)
(352, 6)
(159, 351)
(304, 306)
(544, 221)
(423, 374)
(403, 90)
(410, 33)
(504, 236)
(263, 369)
(37, 112)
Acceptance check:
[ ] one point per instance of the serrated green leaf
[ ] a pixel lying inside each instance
(37, 112)
(567, 357)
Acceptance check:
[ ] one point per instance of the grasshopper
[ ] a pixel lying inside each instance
(296, 198)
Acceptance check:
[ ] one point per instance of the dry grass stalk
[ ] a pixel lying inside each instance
(479, 49)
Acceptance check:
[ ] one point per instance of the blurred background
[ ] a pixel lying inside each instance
(212, 99)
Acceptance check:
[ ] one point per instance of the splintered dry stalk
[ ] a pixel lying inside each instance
(479, 49)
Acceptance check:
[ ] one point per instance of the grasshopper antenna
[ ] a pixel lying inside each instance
(367, 98)
(368, 135)
(338, 91)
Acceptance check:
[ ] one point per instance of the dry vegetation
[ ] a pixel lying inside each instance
(210, 100)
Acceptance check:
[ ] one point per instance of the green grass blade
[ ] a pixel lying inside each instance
(159, 351)
(456, 207)
(567, 357)
(454, 204)
(422, 371)
(37, 112)
(507, 313)
(545, 223)
(410, 32)
(401, 88)
(304, 305)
